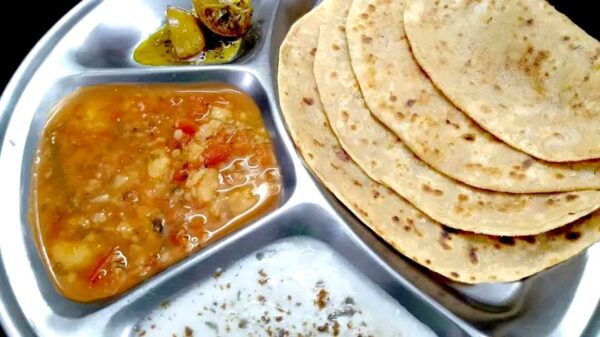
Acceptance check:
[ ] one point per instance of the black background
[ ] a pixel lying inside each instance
(17, 44)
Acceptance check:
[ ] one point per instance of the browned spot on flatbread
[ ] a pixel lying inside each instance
(516, 175)
(454, 274)
(357, 183)
(342, 155)
(456, 126)
(443, 241)
(366, 39)
(335, 47)
(572, 236)
(473, 255)
(446, 235)
(430, 190)
(530, 63)
(361, 211)
(395, 218)
(376, 194)
(410, 102)
(313, 51)
(308, 100)
(527, 164)
(463, 197)
(371, 8)
(571, 197)
(469, 137)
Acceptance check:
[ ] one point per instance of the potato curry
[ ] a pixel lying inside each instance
(130, 179)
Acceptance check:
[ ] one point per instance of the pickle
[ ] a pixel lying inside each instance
(225, 18)
(186, 36)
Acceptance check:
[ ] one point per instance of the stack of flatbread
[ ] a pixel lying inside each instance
(464, 133)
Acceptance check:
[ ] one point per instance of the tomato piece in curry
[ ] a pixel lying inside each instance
(130, 179)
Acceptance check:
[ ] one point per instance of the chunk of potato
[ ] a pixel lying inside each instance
(203, 184)
(229, 18)
(186, 36)
(158, 166)
(71, 255)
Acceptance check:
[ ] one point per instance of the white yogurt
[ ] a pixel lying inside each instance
(297, 287)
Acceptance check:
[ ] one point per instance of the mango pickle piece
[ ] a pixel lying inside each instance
(186, 36)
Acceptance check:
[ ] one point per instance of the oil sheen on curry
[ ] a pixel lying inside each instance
(131, 179)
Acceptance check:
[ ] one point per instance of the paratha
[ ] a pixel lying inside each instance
(384, 157)
(401, 95)
(460, 256)
(520, 68)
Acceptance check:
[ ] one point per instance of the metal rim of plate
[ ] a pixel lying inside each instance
(93, 43)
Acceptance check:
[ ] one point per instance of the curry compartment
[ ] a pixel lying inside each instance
(130, 179)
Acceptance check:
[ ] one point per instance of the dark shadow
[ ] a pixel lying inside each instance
(583, 13)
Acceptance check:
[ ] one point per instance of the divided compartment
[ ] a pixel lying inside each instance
(109, 43)
(245, 81)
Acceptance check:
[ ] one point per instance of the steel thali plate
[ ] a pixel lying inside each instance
(93, 44)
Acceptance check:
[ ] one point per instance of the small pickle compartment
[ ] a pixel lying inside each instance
(127, 25)
(183, 219)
